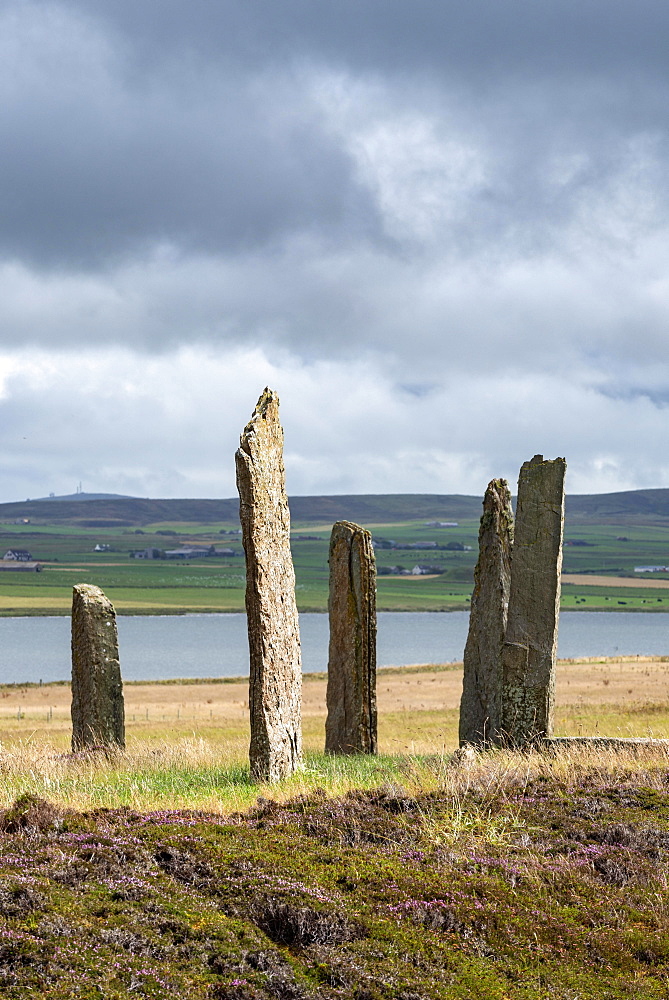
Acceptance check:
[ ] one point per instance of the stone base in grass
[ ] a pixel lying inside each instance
(622, 742)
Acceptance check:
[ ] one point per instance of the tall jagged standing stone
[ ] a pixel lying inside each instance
(528, 689)
(351, 692)
(480, 706)
(275, 681)
(98, 717)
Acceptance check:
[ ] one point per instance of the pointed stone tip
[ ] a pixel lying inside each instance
(268, 400)
(497, 486)
(540, 460)
(497, 494)
(88, 590)
(87, 595)
(348, 526)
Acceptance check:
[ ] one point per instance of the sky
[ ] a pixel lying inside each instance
(439, 231)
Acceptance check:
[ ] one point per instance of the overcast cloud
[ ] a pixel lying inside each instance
(440, 232)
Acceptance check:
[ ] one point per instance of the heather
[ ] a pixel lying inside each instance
(510, 875)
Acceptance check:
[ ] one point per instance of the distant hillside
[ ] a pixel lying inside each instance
(85, 496)
(634, 506)
(381, 509)
(645, 505)
(122, 512)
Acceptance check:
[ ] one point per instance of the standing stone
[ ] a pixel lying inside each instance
(528, 691)
(98, 717)
(480, 706)
(275, 681)
(351, 691)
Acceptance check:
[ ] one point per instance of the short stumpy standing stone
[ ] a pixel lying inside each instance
(351, 692)
(275, 682)
(480, 706)
(98, 717)
(528, 689)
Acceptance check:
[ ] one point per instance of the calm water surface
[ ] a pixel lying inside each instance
(216, 646)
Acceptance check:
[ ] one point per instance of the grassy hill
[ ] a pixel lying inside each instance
(634, 506)
(367, 509)
(607, 508)
(121, 512)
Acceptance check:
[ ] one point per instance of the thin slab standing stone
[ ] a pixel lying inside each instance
(98, 715)
(275, 682)
(528, 689)
(351, 725)
(480, 706)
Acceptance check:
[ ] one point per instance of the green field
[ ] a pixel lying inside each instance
(64, 542)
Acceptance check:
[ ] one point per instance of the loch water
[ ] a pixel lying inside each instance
(215, 645)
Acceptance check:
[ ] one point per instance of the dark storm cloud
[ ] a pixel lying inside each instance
(439, 184)
(102, 156)
(127, 124)
(82, 196)
(100, 159)
(439, 230)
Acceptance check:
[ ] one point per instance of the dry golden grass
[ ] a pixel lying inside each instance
(212, 776)
(417, 706)
(188, 742)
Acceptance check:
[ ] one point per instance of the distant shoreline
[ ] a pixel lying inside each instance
(321, 675)
(141, 613)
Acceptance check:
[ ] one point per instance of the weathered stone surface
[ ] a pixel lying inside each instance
(480, 706)
(275, 682)
(528, 690)
(464, 758)
(351, 692)
(98, 717)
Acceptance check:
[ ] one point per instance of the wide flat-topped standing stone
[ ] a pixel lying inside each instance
(275, 682)
(528, 690)
(98, 717)
(351, 692)
(480, 706)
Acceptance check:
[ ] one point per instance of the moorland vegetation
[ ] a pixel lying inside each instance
(417, 874)
(411, 878)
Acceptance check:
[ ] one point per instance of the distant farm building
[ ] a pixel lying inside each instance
(19, 566)
(186, 553)
(17, 555)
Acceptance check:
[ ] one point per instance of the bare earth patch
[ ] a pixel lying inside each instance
(648, 582)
